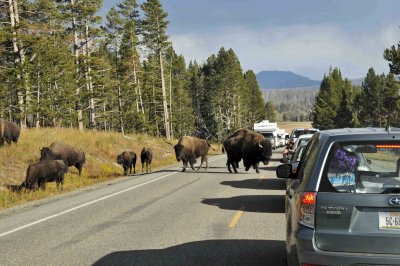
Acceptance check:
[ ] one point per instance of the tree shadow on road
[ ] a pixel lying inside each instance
(273, 184)
(251, 203)
(267, 168)
(208, 252)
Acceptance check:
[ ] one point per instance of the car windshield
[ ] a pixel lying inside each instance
(303, 141)
(298, 133)
(368, 167)
(268, 135)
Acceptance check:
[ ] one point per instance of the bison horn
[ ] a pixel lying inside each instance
(259, 144)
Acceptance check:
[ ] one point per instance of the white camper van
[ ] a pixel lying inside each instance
(269, 131)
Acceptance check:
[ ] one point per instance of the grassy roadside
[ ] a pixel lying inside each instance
(101, 149)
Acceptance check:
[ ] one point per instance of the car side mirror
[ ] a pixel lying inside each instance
(285, 171)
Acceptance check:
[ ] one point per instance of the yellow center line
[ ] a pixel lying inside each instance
(261, 178)
(236, 218)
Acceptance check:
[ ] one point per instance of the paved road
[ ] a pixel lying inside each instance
(163, 218)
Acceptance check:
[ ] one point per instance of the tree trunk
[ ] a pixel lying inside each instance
(120, 109)
(170, 99)
(17, 59)
(38, 102)
(164, 95)
(88, 78)
(76, 54)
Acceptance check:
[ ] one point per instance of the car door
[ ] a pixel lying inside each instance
(305, 164)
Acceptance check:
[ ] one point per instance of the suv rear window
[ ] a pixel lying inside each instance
(362, 167)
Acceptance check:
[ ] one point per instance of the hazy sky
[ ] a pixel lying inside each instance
(303, 36)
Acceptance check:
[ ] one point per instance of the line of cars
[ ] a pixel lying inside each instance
(343, 198)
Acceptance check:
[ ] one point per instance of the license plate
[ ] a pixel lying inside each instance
(389, 220)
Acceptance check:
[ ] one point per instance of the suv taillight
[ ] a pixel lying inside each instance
(306, 208)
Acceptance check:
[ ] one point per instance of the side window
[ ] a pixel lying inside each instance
(308, 158)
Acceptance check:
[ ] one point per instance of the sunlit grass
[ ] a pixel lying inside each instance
(101, 149)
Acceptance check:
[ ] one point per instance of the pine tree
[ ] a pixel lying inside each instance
(270, 111)
(344, 116)
(153, 28)
(328, 100)
(393, 56)
(257, 112)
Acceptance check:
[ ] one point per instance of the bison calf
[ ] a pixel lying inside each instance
(9, 131)
(190, 148)
(60, 151)
(39, 173)
(146, 156)
(128, 160)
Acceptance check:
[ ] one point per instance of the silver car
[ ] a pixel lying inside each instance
(343, 206)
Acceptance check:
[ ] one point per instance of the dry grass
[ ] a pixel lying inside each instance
(101, 149)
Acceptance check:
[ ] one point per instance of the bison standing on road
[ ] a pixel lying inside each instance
(189, 149)
(39, 173)
(146, 156)
(249, 146)
(128, 160)
(230, 145)
(9, 131)
(60, 151)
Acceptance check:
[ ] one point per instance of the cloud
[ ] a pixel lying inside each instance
(304, 49)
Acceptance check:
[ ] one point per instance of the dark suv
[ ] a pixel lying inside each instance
(343, 205)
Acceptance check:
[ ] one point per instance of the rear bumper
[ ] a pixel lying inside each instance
(308, 252)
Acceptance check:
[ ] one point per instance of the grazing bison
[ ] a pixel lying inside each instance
(189, 149)
(249, 146)
(60, 151)
(9, 131)
(146, 156)
(39, 173)
(128, 160)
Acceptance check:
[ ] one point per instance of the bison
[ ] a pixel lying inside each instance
(146, 156)
(250, 146)
(189, 149)
(9, 132)
(128, 160)
(60, 151)
(234, 155)
(41, 172)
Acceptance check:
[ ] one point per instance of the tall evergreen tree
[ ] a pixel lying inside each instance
(328, 100)
(153, 28)
(257, 112)
(393, 56)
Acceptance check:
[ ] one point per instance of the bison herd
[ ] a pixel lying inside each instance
(244, 144)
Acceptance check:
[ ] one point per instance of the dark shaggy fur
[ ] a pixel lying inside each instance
(189, 149)
(39, 173)
(146, 156)
(9, 132)
(128, 160)
(249, 146)
(60, 151)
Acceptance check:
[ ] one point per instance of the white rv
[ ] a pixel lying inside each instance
(269, 131)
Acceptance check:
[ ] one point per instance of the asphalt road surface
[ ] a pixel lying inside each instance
(163, 218)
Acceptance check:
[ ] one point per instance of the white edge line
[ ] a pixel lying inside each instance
(88, 203)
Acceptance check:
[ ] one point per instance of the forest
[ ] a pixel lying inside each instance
(63, 65)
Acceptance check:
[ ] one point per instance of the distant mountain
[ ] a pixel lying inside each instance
(284, 80)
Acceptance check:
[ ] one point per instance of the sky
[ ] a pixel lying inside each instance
(306, 37)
